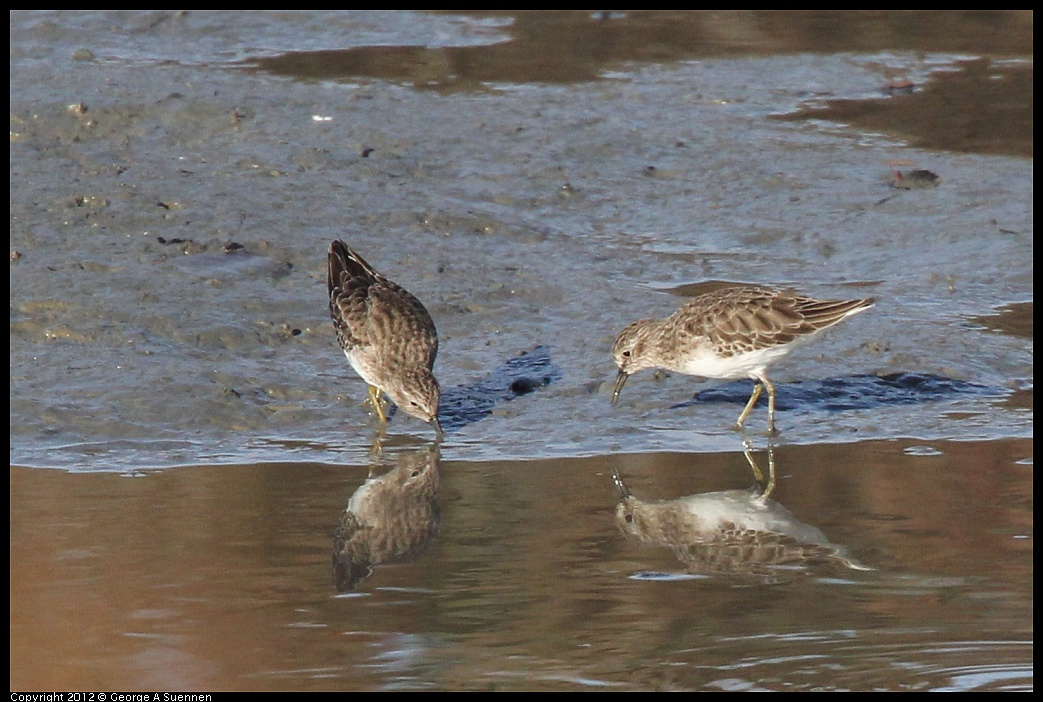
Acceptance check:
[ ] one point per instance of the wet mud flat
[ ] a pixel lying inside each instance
(177, 178)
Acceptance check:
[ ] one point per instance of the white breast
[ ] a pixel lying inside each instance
(707, 364)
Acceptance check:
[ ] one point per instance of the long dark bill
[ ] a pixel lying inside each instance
(620, 379)
(618, 480)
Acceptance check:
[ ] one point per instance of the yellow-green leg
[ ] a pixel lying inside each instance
(758, 388)
(378, 403)
(769, 487)
(754, 396)
(771, 404)
(377, 449)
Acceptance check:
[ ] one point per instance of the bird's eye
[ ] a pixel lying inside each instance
(626, 354)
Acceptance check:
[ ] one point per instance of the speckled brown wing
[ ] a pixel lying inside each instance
(348, 281)
(737, 551)
(709, 533)
(748, 318)
(400, 327)
(371, 312)
(389, 518)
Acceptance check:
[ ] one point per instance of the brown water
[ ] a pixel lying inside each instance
(186, 436)
(220, 578)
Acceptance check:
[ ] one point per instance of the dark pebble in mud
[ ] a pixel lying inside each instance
(523, 386)
(915, 180)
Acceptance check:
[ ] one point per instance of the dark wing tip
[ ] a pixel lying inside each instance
(343, 259)
(336, 262)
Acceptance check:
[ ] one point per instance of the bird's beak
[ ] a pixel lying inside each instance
(437, 426)
(620, 379)
(618, 480)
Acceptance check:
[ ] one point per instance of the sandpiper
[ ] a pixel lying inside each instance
(729, 333)
(741, 533)
(386, 333)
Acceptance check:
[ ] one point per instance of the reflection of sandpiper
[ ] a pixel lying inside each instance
(389, 518)
(733, 532)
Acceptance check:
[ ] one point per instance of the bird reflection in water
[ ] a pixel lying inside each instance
(740, 533)
(389, 518)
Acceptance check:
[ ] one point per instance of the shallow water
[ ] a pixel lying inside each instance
(538, 181)
(220, 577)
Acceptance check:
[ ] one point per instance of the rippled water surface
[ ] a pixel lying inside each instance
(201, 502)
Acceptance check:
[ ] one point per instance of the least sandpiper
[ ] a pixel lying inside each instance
(389, 518)
(730, 333)
(732, 532)
(386, 334)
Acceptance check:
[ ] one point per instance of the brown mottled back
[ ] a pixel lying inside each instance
(747, 318)
(386, 334)
(376, 315)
